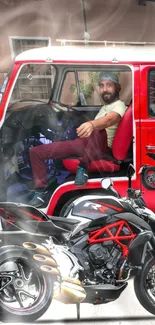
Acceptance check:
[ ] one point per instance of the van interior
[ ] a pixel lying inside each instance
(47, 104)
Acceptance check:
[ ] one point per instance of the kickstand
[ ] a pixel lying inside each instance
(78, 311)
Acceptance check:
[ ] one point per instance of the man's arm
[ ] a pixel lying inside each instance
(85, 129)
(107, 120)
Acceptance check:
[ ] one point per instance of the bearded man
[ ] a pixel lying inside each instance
(94, 139)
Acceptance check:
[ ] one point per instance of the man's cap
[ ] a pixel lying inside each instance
(109, 76)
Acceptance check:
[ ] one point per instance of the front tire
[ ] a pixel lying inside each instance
(144, 285)
(26, 292)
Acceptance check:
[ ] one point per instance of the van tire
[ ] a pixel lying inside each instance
(65, 208)
(145, 180)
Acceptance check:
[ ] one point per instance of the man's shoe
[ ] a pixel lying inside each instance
(81, 177)
(40, 199)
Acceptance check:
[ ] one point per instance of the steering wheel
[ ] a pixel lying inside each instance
(61, 107)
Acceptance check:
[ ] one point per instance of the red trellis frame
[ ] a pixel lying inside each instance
(116, 238)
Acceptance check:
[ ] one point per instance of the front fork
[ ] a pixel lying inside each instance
(152, 241)
(149, 247)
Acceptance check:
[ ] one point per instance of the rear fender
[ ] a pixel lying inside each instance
(21, 216)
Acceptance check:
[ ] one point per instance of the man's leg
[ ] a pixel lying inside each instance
(95, 148)
(56, 150)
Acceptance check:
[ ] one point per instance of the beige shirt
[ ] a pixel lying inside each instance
(118, 107)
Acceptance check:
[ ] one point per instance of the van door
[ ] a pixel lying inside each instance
(147, 113)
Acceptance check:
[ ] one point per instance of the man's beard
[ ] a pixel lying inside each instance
(110, 99)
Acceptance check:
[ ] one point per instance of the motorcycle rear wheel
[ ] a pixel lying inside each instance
(26, 292)
(144, 285)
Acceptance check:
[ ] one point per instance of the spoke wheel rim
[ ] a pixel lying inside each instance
(21, 290)
(150, 179)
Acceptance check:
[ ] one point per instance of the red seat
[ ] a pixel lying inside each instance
(120, 147)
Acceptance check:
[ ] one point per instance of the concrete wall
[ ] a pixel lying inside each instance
(117, 20)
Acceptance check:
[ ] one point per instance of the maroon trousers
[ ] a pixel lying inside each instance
(88, 149)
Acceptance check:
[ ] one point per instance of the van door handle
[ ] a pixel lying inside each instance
(150, 147)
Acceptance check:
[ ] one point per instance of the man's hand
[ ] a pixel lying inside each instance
(85, 130)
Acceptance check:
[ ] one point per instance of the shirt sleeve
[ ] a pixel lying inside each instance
(119, 108)
(101, 113)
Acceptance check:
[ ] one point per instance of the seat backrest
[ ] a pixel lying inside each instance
(123, 136)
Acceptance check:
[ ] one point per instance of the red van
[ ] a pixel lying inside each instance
(49, 92)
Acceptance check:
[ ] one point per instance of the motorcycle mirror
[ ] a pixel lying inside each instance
(106, 183)
(130, 171)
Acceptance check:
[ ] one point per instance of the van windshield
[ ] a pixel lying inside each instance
(34, 82)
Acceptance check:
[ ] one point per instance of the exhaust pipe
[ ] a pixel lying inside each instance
(50, 270)
(70, 290)
(74, 281)
(45, 260)
(37, 248)
(71, 293)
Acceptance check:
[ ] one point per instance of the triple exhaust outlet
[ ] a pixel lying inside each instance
(71, 291)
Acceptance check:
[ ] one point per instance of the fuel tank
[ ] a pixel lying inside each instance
(94, 207)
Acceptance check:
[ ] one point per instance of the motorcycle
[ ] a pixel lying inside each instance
(92, 252)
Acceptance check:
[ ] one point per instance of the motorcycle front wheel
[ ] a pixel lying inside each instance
(25, 292)
(144, 285)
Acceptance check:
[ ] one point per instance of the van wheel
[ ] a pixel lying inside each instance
(66, 207)
(148, 178)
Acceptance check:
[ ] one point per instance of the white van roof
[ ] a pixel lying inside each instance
(90, 54)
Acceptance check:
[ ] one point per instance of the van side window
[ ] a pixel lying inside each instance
(151, 84)
(80, 88)
(67, 94)
(35, 82)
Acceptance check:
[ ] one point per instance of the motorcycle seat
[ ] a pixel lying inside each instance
(54, 226)
(65, 223)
